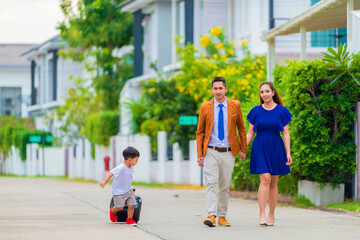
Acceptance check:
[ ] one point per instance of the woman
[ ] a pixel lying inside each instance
(268, 156)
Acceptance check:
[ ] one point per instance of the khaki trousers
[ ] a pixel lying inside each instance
(218, 168)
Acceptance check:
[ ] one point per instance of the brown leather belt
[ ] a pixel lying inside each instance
(221, 149)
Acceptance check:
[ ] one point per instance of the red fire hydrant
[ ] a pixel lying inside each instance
(106, 163)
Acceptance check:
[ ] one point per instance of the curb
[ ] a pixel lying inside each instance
(284, 199)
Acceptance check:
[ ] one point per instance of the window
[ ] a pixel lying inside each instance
(328, 38)
(10, 101)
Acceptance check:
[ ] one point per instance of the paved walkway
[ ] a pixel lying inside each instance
(56, 209)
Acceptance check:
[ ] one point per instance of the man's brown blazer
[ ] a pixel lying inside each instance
(235, 120)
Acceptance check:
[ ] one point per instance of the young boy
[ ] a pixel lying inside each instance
(122, 191)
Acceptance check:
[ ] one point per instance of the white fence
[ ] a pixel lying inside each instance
(47, 161)
(76, 161)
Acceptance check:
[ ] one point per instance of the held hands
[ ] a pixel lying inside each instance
(242, 155)
(201, 161)
(289, 159)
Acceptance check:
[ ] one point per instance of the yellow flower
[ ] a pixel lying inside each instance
(216, 31)
(215, 56)
(232, 42)
(181, 89)
(243, 42)
(247, 93)
(224, 56)
(203, 55)
(244, 82)
(151, 90)
(204, 41)
(231, 51)
(219, 46)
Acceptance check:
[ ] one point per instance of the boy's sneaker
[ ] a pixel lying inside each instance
(131, 222)
(113, 216)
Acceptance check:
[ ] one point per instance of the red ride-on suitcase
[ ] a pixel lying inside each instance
(122, 215)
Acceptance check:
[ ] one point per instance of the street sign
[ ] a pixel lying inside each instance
(48, 139)
(35, 139)
(188, 120)
(38, 139)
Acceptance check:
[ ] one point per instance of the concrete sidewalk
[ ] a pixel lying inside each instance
(56, 209)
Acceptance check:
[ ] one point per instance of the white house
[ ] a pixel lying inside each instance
(14, 79)
(337, 19)
(157, 23)
(49, 80)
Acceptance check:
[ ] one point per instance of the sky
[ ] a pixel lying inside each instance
(29, 21)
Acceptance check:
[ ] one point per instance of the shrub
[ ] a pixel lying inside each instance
(159, 109)
(16, 132)
(243, 72)
(323, 148)
(99, 127)
(183, 93)
(21, 137)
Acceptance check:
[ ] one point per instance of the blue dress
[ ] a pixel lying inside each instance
(268, 154)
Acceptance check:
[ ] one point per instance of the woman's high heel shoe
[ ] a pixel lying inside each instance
(262, 223)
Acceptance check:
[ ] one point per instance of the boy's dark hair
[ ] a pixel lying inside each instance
(218, 79)
(130, 152)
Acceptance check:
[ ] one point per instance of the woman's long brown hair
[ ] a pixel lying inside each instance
(277, 99)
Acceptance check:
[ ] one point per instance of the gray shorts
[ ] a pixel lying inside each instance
(125, 199)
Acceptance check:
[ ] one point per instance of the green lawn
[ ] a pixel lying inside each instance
(348, 205)
(168, 185)
(51, 177)
(302, 202)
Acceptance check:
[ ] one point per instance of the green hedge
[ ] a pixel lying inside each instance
(21, 138)
(159, 108)
(322, 135)
(16, 132)
(99, 127)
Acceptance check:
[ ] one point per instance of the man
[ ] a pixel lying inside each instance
(217, 145)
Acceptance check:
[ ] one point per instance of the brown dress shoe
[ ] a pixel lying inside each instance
(210, 221)
(223, 222)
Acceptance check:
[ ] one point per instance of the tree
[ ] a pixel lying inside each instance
(81, 102)
(94, 33)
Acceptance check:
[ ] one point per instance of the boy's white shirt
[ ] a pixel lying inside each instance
(122, 179)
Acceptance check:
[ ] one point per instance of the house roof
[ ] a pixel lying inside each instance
(51, 44)
(10, 55)
(134, 5)
(326, 14)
